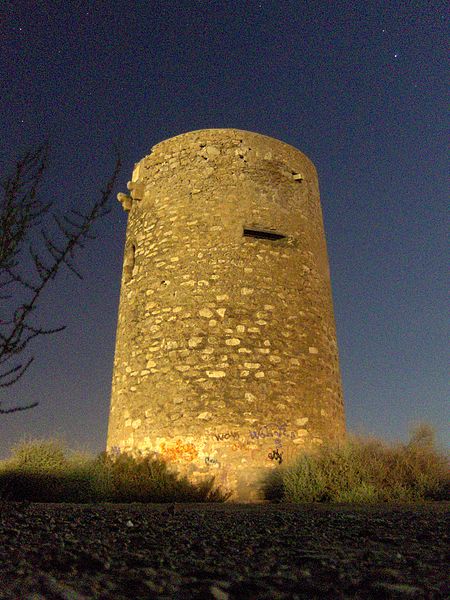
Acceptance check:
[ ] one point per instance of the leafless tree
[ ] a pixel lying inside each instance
(35, 243)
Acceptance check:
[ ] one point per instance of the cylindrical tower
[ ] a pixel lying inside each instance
(226, 360)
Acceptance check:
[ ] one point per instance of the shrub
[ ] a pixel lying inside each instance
(40, 456)
(45, 471)
(147, 479)
(367, 470)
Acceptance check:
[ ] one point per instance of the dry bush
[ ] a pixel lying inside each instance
(369, 470)
(147, 479)
(39, 456)
(46, 471)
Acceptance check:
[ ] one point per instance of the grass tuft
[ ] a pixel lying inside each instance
(361, 470)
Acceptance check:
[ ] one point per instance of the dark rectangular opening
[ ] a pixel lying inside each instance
(263, 234)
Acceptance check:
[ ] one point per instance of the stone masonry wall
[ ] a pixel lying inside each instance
(226, 360)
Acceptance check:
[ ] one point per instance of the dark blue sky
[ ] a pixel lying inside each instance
(360, 87)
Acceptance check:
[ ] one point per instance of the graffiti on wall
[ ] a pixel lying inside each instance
(277, 431)
(228, 435)
(239, 445)
(276, 455)
(178, 451)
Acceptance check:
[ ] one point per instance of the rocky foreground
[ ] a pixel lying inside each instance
(217, 551)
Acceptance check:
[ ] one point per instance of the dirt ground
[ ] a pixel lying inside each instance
(223, 551)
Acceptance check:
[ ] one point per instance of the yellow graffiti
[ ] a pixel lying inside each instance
(239, 446)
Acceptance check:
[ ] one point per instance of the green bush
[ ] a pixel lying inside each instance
(366, 470)
(45, 471)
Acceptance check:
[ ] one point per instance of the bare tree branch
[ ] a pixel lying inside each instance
(23, 217)
(6, 411)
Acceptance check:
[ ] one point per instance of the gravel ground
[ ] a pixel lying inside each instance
(217, 551)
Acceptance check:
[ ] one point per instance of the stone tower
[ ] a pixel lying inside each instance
(226, 360)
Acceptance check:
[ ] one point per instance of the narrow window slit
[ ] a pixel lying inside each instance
(264, 234)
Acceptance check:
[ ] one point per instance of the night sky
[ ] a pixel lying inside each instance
(359, 87)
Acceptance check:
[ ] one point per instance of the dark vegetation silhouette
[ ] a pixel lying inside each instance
(45, 471)
(35, 244)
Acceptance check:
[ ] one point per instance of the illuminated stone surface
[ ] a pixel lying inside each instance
(226, 358)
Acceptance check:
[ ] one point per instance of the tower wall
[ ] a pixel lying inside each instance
(226, 360)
